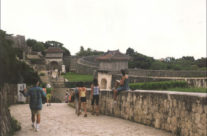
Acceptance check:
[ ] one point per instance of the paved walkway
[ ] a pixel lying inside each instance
(60, 120)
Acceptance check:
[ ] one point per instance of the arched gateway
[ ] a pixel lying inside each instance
(54, 58)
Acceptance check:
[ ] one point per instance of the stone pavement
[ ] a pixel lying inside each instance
(60, 120)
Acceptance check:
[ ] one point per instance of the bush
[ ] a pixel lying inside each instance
(16, 126)
(42, 74)
(158, 85)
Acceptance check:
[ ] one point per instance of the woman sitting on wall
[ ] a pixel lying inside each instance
(123, 84)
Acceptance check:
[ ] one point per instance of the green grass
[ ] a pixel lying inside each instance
(195, 90)
(73, 77)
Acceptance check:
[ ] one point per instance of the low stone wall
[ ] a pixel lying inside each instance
(183, 114)
(8, 96)
(199, 82)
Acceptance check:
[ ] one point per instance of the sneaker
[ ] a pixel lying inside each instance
(33, 125)
(37, 128)
(85, 115)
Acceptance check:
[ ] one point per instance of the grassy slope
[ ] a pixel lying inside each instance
(73, 77)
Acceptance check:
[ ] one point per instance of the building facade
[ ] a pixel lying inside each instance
(54, 58)
(113, 61)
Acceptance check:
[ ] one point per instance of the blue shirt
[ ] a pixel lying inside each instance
(96, 90)
(35, 94)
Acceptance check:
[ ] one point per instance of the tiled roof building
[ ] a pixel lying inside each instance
(113, 61)
(113, 55)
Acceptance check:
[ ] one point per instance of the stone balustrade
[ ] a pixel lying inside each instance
(183, 114)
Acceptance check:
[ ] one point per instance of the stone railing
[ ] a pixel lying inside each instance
(182, 114)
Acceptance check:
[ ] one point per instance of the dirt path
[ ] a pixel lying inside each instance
(60, 120)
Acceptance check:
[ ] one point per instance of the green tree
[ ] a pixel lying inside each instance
(53, 44)
(88, 52)
(130, 51)
(36, 46)
(157, 65)
(12, 70)
(202, 62)
(48, 44)
(139, 60)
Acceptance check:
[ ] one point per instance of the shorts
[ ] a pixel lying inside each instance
(83, 99)
(35, 112)
(48, 96)
(120, 89)
(95, 98)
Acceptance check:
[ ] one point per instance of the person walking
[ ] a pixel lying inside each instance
(123, 84)
(36, 93)
(49, 94)
(95, 89)
(82, 98)
(77, 103)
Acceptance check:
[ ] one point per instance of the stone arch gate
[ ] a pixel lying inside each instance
(54, 64)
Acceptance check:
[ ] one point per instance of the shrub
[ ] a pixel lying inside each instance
(42, 74)
(16, 126)
(158, 85)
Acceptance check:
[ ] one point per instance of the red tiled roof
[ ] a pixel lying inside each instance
(113, 55)
(54, 50)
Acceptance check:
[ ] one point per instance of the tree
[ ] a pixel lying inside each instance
(56, 44)
(139, 60)
(130, 51)
(88, 52)
(202, 62)
(53, 44)
(35, 45)
(12, 70)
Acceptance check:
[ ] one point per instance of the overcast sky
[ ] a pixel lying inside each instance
(157, 28)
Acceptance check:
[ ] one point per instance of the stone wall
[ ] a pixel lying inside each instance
(200, 82)
(183, 114)
(8, 96)
(82, 69)
(113, 65)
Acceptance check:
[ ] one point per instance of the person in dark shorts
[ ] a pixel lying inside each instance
(123, 85)
(95, 96)
(82, 97)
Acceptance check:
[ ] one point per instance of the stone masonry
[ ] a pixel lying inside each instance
(183, 114)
